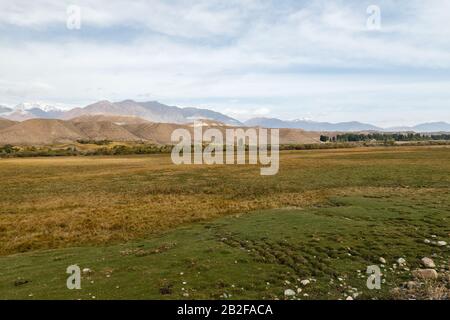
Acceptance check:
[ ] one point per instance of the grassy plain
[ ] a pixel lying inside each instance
(149, 229)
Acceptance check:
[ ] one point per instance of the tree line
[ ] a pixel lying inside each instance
(383, 137)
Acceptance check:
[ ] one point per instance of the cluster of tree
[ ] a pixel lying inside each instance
(312, 146)
(128, 150)
(11, 151)
(96, 142)
(359, 137)
(7, 149)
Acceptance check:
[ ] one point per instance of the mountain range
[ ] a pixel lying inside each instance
(152, 111)
(157, 112)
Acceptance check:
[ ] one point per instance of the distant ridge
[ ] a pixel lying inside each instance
(156, 112)
(311, 125)
(353, 126)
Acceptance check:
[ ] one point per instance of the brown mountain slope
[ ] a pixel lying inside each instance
(105, 130)
(155, 132)
(5, 123)
(298, 136)
(40, 131)
(119, 120)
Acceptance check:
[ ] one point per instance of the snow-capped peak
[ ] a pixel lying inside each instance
(37, 105)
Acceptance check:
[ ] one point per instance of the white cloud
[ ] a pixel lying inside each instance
(318, 55)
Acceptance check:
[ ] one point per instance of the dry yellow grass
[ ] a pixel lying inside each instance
(57, 202)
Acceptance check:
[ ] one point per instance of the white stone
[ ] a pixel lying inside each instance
(289, 292)
(305, 282)
(428, 263)
(382, 260)
(441, 243)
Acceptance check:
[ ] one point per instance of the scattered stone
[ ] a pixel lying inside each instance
(185, 294)
(428, 263)
(401, 261)
(289, 293)
(382, 260)
(425, 274)
(299, 290)
(349, 298)
(427, 241)
(441, 243)
(434, 236)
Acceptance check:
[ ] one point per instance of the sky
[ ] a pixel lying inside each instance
(290, 59)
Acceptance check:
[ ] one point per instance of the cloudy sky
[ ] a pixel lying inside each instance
(282, 58)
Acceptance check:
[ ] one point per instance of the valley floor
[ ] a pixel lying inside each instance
(147, 229)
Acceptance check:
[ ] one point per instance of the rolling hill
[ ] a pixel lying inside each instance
(114, 128)
(40, 131)
(5, 123)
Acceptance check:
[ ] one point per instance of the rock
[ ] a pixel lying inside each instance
(305, 282)
(349, 298)
(427, 241)
(441, 243)
(87, 271)
(299, 290)
(20, 282)
(425, 274)
(428, 263)
(289, 293)
(401, 261)
(411, 285)
(382, 260)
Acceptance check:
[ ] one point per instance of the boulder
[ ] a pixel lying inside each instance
(425, 274)
(428, 263)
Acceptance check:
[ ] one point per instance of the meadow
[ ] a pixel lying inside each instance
(148, 229)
